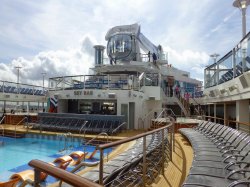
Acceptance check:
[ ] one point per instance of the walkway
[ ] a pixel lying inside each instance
(176, 171)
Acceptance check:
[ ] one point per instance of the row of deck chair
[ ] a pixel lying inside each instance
(133, 176)
(79, 125)
(221, 156)
(120, 164)
(13, 89)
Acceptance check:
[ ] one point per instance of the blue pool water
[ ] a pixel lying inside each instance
(16, 153)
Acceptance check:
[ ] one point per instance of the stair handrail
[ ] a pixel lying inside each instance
(20, 123)
(2, 125)
(100, 134)
(153, 110)
(83, 127)
(118, 127)
(163, 119)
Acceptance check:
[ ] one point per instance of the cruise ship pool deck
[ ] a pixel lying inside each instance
(172, 156)
(175, 171)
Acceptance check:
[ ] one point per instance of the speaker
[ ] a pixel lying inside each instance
(245, 80)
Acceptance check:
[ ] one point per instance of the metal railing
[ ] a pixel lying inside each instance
(149, 116)
(78, 181)
(83, 127)
(117, 128)
(230, 66)
(2, 127)
(93, 139)
(69, 178)
(20, 123)
(170, 128)
(68, 138)
(235, 124)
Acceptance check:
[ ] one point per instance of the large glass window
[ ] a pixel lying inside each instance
(119, 46)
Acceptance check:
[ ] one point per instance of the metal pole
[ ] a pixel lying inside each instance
(101, 168)
(18, 74)
(37, 177)
(173, 127)
(242, 5)
(171, 142)
(144, 161)
(163, 155)
(43, 87)
(243, 22)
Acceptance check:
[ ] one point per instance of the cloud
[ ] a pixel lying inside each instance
(188, 60)
(55, 63)
(46, 38)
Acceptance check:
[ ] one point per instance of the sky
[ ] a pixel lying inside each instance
(57, 36)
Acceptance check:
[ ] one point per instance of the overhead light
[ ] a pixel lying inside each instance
(233, 87)
(243, 4)
(223, 91)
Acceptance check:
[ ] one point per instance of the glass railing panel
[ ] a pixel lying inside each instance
(238, 62)
(210, 76)
(247, 54)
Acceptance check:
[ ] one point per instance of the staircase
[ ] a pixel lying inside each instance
(184, 105)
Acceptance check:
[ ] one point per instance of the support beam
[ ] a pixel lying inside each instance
(242, 113)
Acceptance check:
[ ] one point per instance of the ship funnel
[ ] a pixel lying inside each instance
(99, 50)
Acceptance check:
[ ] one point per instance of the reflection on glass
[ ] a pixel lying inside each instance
(119, 46)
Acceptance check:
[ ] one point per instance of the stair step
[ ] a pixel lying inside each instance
(12, 134)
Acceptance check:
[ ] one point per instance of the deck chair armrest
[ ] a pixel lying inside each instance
(228, 157)
(234, 156)
(231, 151)
(232, 163)
(226, 147)
(221, 144)
(195, 184)
(237, 171)
(238, 163)
(236, 183)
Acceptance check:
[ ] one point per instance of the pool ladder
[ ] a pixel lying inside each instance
(2, 128)
(104, 134)
(68, 141)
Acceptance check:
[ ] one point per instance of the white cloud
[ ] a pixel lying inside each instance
(45, 38)
(191, 61)
(55, 63)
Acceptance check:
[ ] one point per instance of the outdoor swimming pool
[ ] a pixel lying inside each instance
(16, 153)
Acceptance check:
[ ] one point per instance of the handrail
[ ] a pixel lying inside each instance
(100, 134)
(19, 123)
(152, 111)
(69, 178)
(129, 139)
(118, 127)
(237, 123)
(2, 119)
(227, 120)
(143, 135)
(83, 126)
(162, 120)
(2, 125)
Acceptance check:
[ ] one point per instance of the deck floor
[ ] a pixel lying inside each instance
(177, 170)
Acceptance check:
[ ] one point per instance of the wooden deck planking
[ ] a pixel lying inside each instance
(177, 170)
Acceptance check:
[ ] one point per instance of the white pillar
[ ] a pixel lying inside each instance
(242, 113)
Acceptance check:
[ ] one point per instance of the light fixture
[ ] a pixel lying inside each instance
(233, 87)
